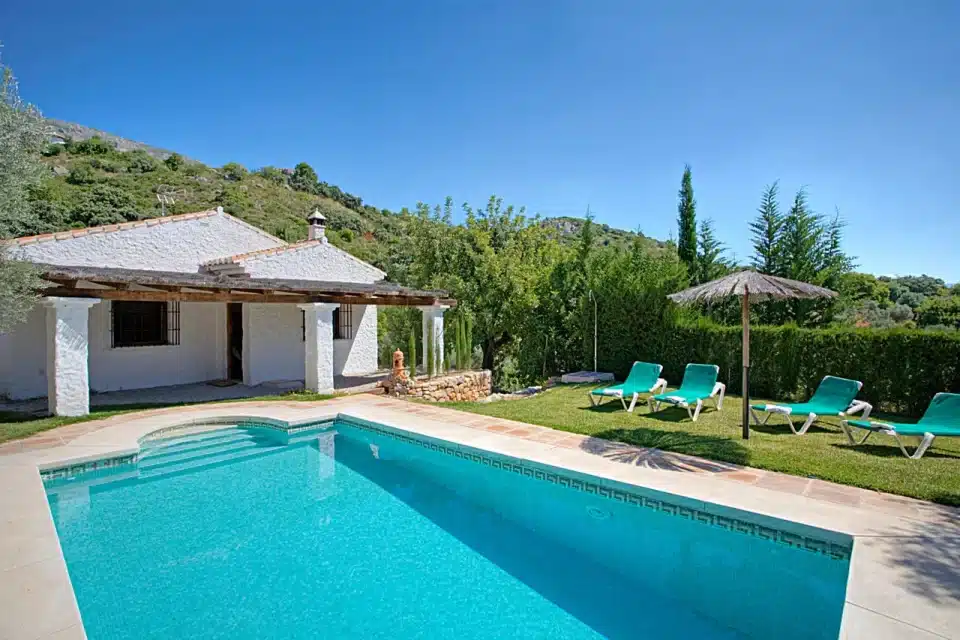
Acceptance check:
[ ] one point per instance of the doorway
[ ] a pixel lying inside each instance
(235, 341)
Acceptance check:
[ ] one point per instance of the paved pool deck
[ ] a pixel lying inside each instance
(904, 569)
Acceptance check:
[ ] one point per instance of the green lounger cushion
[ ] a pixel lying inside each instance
(698, 383)
(832, 397)
(643, 376)
(942, 418)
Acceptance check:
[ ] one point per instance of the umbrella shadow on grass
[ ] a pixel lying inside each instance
(670, 450)
(781, 428)
(665, 414)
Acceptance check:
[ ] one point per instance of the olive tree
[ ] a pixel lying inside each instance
(22, 135)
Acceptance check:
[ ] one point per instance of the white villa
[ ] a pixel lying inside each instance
(192, 298)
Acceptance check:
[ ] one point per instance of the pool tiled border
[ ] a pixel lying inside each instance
(92, 466)
(889, 594)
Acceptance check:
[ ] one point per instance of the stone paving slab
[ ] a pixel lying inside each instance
(905, 567)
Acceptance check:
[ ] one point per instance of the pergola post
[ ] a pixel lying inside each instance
(433, 325)
(68, 351)
(318, 352)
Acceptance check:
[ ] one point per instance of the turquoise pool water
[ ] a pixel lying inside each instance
(353, 533)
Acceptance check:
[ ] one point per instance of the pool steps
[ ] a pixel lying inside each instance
(199, 452)
(167, 449)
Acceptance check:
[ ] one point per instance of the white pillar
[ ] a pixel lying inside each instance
(318, 350)
(433, 322)
(68, 375)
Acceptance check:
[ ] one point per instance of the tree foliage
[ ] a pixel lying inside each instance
(174, 161)
(766, 229)
(940, 311)
(492, 262)
(22, 136)
(711, 259)
(304, 178)
(800, 245)
(687, 221)
(234, 171)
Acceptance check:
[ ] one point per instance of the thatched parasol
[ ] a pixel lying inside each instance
(750, 285)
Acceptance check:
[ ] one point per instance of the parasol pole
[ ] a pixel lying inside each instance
(746, 362)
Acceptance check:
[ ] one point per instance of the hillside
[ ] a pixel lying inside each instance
(96, 181)
(99, 178)
(605, 235)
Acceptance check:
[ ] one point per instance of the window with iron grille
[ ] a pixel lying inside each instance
(343, 322)
(144, 324)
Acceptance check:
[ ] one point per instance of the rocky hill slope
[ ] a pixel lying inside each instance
(61, 132)
(99, 178)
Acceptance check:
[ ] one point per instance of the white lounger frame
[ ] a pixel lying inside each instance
(890, 430)
(694, 413)
(597, 398)
(855, 406)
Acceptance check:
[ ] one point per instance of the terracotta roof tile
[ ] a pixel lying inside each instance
(262, 253)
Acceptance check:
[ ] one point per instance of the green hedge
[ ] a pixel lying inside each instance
(900, 369)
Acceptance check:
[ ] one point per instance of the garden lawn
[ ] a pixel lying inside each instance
(823, 452)
(14, 426)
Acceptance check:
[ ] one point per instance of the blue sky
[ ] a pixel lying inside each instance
(551, 104)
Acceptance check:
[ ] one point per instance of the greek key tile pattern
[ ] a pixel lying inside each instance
(532, 470)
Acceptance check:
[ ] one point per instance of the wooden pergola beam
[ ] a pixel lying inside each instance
(139, 284)
(245, 296)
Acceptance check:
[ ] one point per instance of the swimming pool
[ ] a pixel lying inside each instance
(354, 530)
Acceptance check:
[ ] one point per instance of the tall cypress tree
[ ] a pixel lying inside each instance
(687, 222)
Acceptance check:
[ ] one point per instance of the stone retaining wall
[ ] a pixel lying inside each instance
(465, 386)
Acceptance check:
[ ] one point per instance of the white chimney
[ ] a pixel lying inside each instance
(317, 226)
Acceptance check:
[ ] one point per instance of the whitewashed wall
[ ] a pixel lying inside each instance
(201, 354)
(314, 262)
(172, 246)
(359, 355)
(273, 347)
(23, 358)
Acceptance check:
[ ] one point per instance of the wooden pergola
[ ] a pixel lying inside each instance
(108, 283)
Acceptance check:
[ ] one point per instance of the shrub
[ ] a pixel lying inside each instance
(94, 146)
(105, 164)
(273, 174)
(104, 204)
(233, 171)
(141, 162)
(174, 161)
(304, 178)
(82, 174)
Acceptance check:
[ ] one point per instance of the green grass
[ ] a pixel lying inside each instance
(14, 426)
(823, 452)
